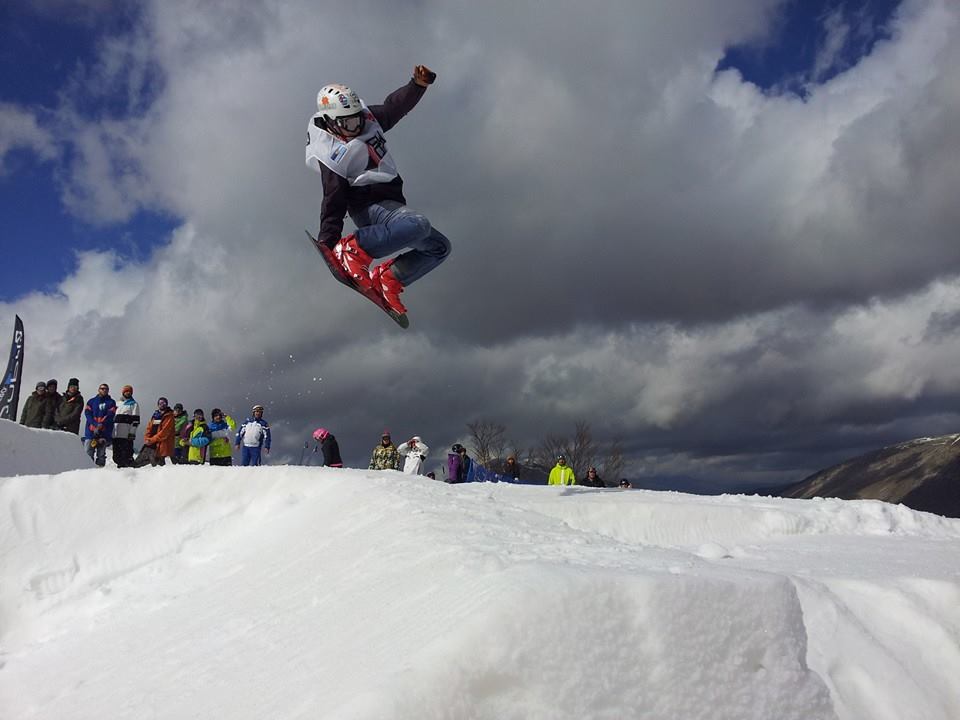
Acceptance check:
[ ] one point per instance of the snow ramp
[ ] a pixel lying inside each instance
(321, 593)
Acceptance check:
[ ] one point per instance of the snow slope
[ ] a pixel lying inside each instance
(288, 592)
(29, 451)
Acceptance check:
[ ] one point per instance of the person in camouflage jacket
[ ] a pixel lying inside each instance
(385, 455)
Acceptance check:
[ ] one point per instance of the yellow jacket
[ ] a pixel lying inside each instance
(199, 439)
(561, 475)
(221, 444)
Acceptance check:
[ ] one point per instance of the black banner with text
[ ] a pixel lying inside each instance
(10, 390)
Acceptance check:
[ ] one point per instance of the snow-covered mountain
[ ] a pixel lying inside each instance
(923, 474)
(292, 592)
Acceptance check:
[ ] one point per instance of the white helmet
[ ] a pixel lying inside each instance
(341, 108)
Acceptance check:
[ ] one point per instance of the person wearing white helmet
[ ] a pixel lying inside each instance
(346, 145)
(253, 436)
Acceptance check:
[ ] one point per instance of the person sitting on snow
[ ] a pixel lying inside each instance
(158, 436)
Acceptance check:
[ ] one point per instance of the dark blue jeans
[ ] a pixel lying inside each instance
(388, 227)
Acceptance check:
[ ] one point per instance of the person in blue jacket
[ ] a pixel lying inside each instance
(99, 415)
(222, 428)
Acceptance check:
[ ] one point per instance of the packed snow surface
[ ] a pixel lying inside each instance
(30, 451)
(286, 592)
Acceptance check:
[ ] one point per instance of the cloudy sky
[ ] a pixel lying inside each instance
(722, 233)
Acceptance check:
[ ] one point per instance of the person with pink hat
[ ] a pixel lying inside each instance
(329, 447)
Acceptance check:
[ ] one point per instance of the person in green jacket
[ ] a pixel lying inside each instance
(181, 440)
(562, 474)
(36, 408)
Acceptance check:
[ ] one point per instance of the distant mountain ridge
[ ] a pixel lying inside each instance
(923, 474)
(701, 486)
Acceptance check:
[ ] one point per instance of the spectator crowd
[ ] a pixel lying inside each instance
(170, 433)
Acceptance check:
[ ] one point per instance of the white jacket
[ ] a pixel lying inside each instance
(415, 453)
(127, 419)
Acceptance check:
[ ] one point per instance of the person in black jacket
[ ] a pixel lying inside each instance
(592, 479)
(53, 405)
(70, 410)
(329, 447)
(346, 145)
(511, 469)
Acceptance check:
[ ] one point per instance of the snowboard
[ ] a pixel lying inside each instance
(336, 269)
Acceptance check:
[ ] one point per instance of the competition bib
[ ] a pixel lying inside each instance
(363, 160)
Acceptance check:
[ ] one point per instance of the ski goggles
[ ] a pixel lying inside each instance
(352, 124)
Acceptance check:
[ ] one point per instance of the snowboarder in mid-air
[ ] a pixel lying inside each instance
(346, 145)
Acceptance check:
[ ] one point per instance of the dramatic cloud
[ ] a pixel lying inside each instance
(730, 281)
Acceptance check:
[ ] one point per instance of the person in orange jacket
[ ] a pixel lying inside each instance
(159, 434)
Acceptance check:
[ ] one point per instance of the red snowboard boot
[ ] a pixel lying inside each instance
(354, 260)
(386, 282)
